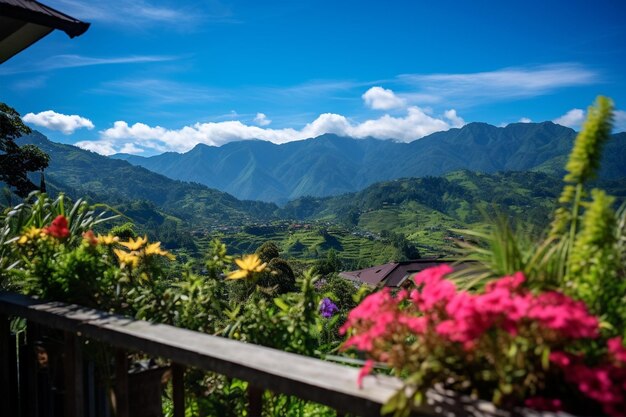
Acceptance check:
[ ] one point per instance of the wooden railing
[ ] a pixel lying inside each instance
(310, 379)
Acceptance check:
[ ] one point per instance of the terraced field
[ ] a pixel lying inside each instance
(310, 242)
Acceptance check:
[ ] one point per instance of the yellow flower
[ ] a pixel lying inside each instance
(107, 239)
(248, 265)
(135, 244)
(155, 249)
(31, 233)
(131, 259)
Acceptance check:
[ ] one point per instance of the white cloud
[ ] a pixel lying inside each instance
(145, 13)
(572, 118)
(379, 98)
(524, 120)
(502, 84)
(131, 148)
(52, 120)
(261, 119)
(73, 61)
(575, 118)
(123, 137)
(101, 147)
(454, 118)
(159, 91)
(620, 121)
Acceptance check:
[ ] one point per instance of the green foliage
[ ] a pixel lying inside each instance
(583, 251)
(124, 231)
(328, 265)
(15, 161)
(268, 251)
(345, 295)
(280, 276)
(503, 250)
(289, 322)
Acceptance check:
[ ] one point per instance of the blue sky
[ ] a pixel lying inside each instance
(152, 76)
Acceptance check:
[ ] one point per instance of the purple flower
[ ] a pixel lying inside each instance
(328, 308)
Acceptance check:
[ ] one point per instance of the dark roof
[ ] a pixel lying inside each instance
(24, 22)
(393, 274)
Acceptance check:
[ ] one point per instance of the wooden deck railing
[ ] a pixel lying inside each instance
(311, 379)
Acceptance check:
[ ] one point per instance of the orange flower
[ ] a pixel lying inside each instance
(90, 238)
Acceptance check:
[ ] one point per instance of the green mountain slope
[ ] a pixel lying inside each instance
(424, 210)
(111, 181)
(331, 165)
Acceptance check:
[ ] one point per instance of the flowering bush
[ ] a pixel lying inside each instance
(505, 344)
(56, 255)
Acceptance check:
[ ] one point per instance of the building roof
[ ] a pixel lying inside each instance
(392, 274)
(24, 22)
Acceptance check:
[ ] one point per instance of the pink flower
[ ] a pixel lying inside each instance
(433, 274)
(511, 283)
(544, 404)
(369, 309)
(365, 370)
(596, 383)
(373, 319)
(617, 350)
(436, 293)
(559, 312)
(415, 324)
(560, 359)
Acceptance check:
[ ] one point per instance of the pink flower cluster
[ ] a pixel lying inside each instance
(459, 316)
(446, 321)
(604, 383)
(378, 313)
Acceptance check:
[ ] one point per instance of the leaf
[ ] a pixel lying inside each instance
(281, 304)
(545, 358)
(392, 403)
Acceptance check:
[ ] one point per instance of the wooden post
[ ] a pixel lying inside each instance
(29, 392)
(178, 389)
(8, 369)
(121, 384)
(74, 392)
(255, 401)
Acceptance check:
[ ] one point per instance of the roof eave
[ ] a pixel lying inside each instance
(72, 27)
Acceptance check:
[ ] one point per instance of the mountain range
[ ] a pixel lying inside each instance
(331, 165)
(81, 173)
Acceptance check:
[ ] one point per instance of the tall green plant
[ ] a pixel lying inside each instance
(583, 253)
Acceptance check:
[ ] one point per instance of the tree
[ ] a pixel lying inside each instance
(279, 275)
(15, 161)
(268, 251)
(330, 264)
